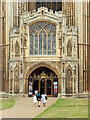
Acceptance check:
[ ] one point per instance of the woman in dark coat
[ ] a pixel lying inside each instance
(38, 99)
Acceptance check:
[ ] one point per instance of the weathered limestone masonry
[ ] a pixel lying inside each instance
(64, 63)
(79, 23)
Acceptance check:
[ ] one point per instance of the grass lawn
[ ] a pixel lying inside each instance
(7, 103)
(67, 108)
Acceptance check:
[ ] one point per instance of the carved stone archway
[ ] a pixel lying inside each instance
(37, 66)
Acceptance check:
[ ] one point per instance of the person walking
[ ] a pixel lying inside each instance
(44, 99)
(39, 99)
(35, 99)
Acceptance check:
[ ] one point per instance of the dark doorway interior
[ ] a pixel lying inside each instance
(48, 87)
(35, 86)
(44, 80)
(42, 86)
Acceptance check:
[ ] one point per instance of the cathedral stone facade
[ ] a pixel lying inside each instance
(43, 52)
(45, 47)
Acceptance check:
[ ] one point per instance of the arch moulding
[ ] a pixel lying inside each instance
(38, 65)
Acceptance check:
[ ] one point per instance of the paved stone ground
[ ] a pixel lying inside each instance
(24, 108)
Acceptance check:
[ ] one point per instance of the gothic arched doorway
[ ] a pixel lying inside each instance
(43, 80)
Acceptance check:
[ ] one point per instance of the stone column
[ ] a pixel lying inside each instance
(21, 65)
(76, 79)
(51, 86)
(13, 81)
(9, 78)
(13, 87)
(24, 87)
(73, 83)
(9, 85)
(79, 23)
(63, 79)
(21, 86)
(63, 86)
(59, 86)
(72, 79)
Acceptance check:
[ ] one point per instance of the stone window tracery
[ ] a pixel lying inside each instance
(69, 80)
(69, 48)
(74, 49)
(43, 38)
(25, 42)
(17, 49)
(55, 6)
(69, 72)
(16, 79)
(75, 70)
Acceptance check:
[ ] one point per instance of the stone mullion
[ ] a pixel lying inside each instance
(29, 45)
(51, 44)
(34, 44)
(38, 44)
(47, 43)
(42, 43)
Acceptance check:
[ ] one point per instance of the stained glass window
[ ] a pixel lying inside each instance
(53, 44)
(43, 38)
(40, 44)
(44, 44)
(31, 45)
(36, 44)
(49, 44)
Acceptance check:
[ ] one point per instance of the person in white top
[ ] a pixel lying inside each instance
(35, 99)
(44, 99)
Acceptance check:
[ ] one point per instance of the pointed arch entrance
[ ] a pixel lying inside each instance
(43, 80)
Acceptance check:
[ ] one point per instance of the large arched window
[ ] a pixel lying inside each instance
(42, 38)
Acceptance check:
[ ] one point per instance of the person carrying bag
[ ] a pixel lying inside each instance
(38, 99)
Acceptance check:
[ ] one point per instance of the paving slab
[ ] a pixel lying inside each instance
(24, 108)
